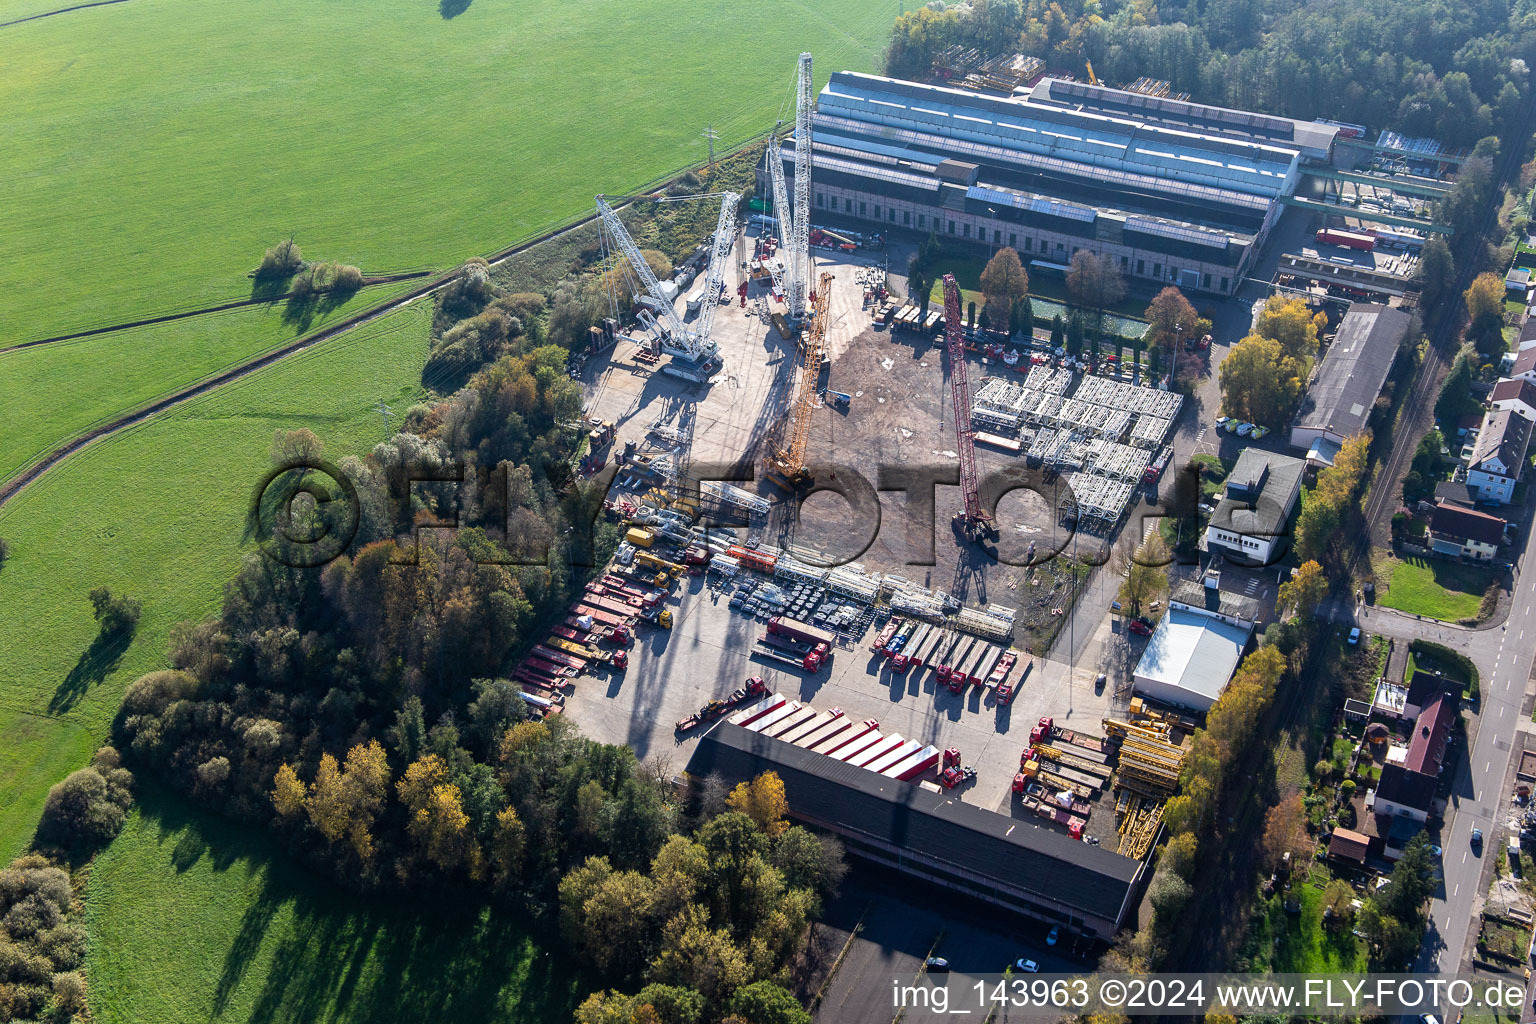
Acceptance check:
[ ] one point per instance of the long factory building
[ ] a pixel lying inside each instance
(1178, 193)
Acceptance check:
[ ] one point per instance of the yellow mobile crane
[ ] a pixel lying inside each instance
(1092, 78)
(786, 459)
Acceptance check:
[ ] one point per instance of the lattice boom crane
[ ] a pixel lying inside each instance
(800, 243)
(974, 521)
(786, 463)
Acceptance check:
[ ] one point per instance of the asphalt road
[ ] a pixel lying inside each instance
(1479, 797)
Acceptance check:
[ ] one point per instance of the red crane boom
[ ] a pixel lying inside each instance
(974, 520)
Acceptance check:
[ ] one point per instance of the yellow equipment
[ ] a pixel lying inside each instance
(786, 460)
(651, 561)
(638, 537)
(664, 620)
(1092, 78)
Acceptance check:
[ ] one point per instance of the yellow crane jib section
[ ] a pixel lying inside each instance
(788, 459)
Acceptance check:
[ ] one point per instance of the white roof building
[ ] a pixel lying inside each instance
(1190, 658)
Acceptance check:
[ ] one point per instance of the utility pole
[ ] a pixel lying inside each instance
(710, 134)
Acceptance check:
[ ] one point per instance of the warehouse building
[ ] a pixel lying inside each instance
(1191, 656)
(1352, 374)
(1027, 868)
(1175, 193)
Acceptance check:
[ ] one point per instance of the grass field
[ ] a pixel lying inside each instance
(68, 387)
(158, 511)
(1303, 945)
(1435, 587)
(155, 148)
(256, 938)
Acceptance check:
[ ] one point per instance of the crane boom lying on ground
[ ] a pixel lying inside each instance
(974, 522)
(786, 463)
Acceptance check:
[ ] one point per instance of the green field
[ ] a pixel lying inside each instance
(67, 387)
(1436, 588)
(158, 511)
(1303, 945)
(155, 148)
(255, 938)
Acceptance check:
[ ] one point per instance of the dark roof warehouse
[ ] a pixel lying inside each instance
(993, 857)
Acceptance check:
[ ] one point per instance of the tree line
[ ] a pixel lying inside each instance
(1456, 72)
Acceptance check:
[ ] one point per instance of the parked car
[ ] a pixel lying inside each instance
(1221, 421)
(1231, 425)
(1207, 508)
(1099, 681)
(1244, 429)
(1259, 433)
(1027, 966)
(1050, 940)
(1354, 636)
(936, 963)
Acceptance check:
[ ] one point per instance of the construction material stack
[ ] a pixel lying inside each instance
(1149, 763)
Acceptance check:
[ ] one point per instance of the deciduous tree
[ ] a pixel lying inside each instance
(1305, 590)
(1005, 283)
(763, 801)
(1260, 383)
(1283, 829)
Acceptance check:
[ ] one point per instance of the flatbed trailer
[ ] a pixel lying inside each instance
(746, 715)
(835, 744)
(855, 745)
(925, 652)
(982, 676)
(609, 605)
(528, 680)
(964, 674)
(571, 647)
(816, 737)
(778, 714)
(879, 748)
(884, 636)
(915, 764)
(606, 616)
(549, 675)
(761, 649)
(957, 652)
(576, 635)
(894, 757)
(905, 658)
(1096, 769)
(560, 657)
(1050, 779)
(804, 713)
(1082, 739)
(807, 727)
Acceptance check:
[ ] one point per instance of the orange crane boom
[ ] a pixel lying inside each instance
(786, 464)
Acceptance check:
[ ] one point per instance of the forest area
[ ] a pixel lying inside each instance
(1455, 71)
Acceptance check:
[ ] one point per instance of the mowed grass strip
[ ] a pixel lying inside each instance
(157, 511)
(154, 149)
(61, 390)
(1436, 588)
(196, 919)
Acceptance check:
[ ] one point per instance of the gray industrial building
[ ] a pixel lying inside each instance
(1177, 193)
(1006, 861)
(1353, 371)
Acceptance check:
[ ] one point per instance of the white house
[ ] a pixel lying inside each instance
(1516, 395)
(1249, 524)
(1498, 457)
